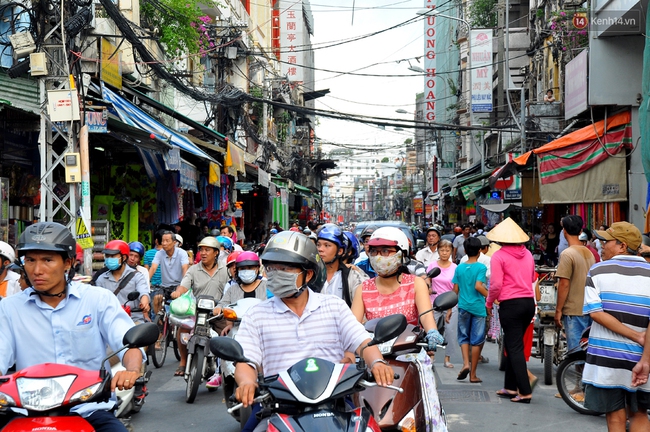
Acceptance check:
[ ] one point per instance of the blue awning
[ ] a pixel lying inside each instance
(134, 116)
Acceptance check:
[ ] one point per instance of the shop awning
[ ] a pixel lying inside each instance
(134, 116)
(576, 152)
(135, 136)
(175, 114)
(302, 189)
(234, 160)
(204, 144)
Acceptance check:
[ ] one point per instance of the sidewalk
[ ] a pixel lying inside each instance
(476, 407)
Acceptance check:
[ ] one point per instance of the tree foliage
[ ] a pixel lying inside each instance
(182, 26)
(483, 13)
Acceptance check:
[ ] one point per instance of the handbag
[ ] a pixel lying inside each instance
(183, 305)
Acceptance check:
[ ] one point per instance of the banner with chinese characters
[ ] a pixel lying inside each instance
(291, 39)
(481, 68)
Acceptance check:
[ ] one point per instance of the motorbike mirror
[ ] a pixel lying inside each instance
(433, 272)
(388, 328)
(134, 295)
(419, 243)
(445, 301)
(228, 349)
(141, 335)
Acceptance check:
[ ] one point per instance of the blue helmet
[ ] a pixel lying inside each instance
(334, 234)
(273, 231)
(226, 242)
(138, 247)
(354, 245)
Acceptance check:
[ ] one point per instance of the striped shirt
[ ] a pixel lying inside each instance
(273, 336)
(148, 260)
(621, 287)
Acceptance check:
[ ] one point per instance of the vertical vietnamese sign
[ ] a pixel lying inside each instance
(291, 39)
(481, 67)
(430, 63)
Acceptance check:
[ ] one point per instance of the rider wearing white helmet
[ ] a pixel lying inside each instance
(9, 280)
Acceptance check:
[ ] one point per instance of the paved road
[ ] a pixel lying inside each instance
(469, 407)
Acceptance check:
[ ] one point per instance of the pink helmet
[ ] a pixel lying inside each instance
(247, 258)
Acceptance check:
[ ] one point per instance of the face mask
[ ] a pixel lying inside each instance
(247, 276)
(386, 266)
(282, 284)
(112, 263)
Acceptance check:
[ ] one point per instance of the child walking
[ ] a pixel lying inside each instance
(470, 285)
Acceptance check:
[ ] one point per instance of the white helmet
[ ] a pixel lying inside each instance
(7, 252)
(390, 236)
(583, 236)
(179, 239)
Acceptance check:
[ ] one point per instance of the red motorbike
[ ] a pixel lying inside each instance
(49, 391)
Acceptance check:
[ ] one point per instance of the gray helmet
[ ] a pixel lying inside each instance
(47, 236)
(295, 248)
(437, 228)
(367, 231)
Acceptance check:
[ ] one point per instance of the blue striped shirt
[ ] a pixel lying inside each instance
(621, 287)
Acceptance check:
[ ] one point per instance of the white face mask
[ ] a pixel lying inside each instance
(247, 276)
(386, 266)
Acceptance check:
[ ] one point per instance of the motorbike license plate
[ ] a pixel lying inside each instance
(547, 294)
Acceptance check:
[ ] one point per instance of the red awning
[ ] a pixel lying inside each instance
(591, 137)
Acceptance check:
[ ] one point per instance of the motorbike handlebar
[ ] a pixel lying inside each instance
(258, 399)
(368, 384)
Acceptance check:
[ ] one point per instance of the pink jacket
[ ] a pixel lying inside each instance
(512, 274)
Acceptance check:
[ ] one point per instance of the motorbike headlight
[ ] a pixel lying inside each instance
(41, 394)
(85, 394)
(201, 318)
(6, 400)
(387, 347)
(205, 303)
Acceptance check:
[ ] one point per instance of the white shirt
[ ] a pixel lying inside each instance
(13, 286)
(426, 257)
(334, 286)
(362, 256)
(145, 273)
(483, 259)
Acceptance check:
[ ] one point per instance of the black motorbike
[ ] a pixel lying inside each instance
(311, 394)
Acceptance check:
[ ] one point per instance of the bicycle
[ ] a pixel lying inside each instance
(167, 332)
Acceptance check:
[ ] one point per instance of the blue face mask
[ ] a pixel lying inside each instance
(112, 263)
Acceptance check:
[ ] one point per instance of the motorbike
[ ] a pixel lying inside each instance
(201, 363)
(130, 401)
(569, 376)
(311, 394)
(49, 391)
(407, 356)
(234, 313)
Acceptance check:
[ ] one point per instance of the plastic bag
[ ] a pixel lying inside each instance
(183, 305)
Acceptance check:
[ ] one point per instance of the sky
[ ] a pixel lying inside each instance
(335, 20)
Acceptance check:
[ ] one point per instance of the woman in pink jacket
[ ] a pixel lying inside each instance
(511, 284)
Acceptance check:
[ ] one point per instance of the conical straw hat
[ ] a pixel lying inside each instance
(508, 232)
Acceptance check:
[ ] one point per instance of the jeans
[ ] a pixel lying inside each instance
(574, 326)
(471, 328)
(515, 316)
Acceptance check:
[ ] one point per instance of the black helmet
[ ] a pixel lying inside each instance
(47, 236)
(297, 249)
(367, 231)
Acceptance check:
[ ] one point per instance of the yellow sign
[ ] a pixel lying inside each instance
(111, 64)
(84, 239)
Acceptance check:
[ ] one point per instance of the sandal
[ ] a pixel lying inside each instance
(519, 399)
(180, 371)
(505, 393)
(449, 365)
(463, 374)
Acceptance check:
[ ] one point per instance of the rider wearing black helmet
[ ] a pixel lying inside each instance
(313, 324)
(69, 322)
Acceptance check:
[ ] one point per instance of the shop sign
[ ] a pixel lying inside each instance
(189, 177)
(428, 210)
(244, 187)
(263, 178)
(398, 213)
(513, 194)
(481, 67)
(284, 196)
(97, 121)
(272, 190)
(292, 57)
(173, 159)
(111, 64)
(417, 205)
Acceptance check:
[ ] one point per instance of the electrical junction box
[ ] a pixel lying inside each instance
(22, 44)
(72, 168)
(38, 64)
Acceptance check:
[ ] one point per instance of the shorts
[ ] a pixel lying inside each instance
(607, 400)
(574, 326)
(471, 328)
